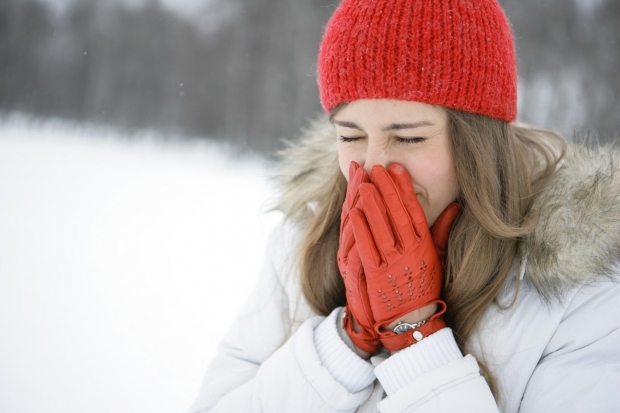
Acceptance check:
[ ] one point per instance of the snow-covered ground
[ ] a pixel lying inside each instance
(123, 261)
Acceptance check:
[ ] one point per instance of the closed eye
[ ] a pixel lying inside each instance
(416, 139)
(347, 139)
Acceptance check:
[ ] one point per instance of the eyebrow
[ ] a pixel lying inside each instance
(391, 127)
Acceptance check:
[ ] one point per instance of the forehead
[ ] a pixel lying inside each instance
(385, 111)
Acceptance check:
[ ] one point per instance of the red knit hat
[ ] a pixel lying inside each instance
(453, 53)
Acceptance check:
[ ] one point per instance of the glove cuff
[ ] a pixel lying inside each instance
(364, 340)
(394, 342)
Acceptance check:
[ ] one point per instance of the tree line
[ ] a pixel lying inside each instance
(245, 72)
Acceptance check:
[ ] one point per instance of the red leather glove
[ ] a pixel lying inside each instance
(403, 269)
(358, 305)
(441, 229)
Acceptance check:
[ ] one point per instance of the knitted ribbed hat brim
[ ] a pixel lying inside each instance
(453, 53)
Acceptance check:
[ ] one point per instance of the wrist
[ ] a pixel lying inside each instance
(412, 317)
(404, 336)
(394, 341)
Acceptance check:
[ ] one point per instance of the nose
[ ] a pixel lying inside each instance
(376, 156)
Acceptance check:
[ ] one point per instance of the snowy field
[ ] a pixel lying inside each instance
(123, 261)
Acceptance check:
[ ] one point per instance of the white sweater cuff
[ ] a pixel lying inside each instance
(406, 365)
(347, 368)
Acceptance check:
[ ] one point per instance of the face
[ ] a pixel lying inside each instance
(381, 132)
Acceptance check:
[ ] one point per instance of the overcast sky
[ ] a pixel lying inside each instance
(185, 7)
(588, 6)
(190, 7)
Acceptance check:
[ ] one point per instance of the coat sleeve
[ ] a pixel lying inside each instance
(433, 376)
(262, 365)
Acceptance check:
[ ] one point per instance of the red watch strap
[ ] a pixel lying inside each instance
(393, 342)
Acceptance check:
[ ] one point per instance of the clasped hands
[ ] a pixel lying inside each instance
(391, 262)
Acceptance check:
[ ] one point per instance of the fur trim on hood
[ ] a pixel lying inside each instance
(577, 236)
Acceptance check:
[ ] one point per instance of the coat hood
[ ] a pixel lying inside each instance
(577, 236)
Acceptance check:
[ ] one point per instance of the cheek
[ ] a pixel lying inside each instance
(344, 160)
(450, 179)
(455, 189)
(343, 167)
(434, 177)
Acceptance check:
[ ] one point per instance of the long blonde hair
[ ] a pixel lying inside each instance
(500, 167)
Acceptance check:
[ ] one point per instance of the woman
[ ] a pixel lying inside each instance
(436, 256)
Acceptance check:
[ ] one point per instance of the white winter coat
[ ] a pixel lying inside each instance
(556, 349)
